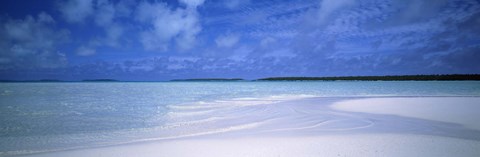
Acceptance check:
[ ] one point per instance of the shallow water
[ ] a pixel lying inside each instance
(36, 117)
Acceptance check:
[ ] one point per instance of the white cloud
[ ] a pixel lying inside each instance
(166, 25)
(85, 51)
(45, 18)
(106, 16)
(113, 35)
(327, 7)
(265, 42)
(413, 11)
(182, 59)
(161, 26)
(124, 8)
(227, 41)
(175, 67)
(192, 3)
(104, 13)
(75, 11)
(241, 53)
(31, 42)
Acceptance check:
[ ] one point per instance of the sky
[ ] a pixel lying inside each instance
(153, 40)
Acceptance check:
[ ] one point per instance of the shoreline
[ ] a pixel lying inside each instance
(332, 145)
(428, 108)
(340, 124)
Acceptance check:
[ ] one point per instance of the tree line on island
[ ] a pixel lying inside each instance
(449, 77)
(209, 79)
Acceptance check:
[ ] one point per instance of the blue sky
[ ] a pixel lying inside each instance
(162, 40)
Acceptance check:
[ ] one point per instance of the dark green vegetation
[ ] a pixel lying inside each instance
(210, 79)
(452, 77)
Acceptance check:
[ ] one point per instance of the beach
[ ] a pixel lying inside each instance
(313, 126)
(240, 78)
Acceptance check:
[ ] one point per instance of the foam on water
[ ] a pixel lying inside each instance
(37, 117)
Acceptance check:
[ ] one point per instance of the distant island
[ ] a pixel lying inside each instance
(54, 80)
(100, 80)
(450, 77)
(446, 77)
(42, 80)
(210, 79)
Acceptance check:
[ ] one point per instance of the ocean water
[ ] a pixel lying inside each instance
(42, 117)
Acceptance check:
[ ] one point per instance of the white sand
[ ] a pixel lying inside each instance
(348, 145)
(460, 110)
(310, 127)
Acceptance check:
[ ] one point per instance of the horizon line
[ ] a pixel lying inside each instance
(465, 77)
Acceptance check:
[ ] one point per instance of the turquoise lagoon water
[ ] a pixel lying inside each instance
(39, 117)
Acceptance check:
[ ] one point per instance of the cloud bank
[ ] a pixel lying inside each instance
(31, 43)
(198, 38)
